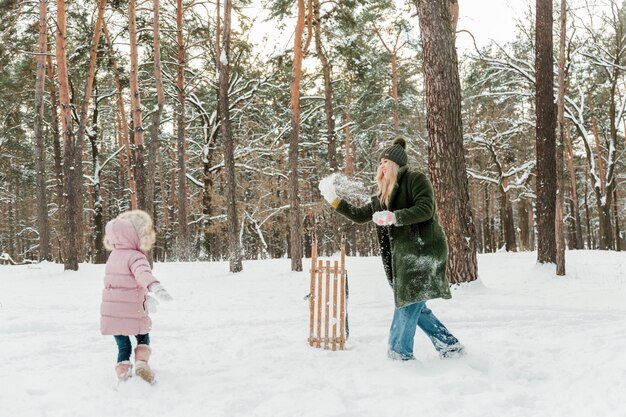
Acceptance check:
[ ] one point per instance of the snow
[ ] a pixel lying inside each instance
(223, 58)
(345, 187)
(235, 344)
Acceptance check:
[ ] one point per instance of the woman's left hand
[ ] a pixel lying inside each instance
(384, 218)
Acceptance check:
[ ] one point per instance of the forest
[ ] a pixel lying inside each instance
(177, 107)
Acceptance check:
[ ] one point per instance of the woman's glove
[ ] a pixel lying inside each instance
(327, 188)
(160, 293)
(384, 218)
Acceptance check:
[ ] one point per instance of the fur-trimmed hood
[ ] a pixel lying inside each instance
(130, 230)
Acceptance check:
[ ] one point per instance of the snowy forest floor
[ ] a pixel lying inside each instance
(235, 345)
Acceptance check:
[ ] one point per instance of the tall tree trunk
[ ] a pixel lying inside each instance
(208, 154)
(84, 107)
(394, 92)
(618, 238)
(295, 225)
(182, 238)
(72, 202)
(331, 136)
(393, 52)
(164, 205)
(135, 104)
(349, 158)
(56, 142)
(506, 211)
(574, 194)
(58, 159)
(524, 227)
(349, 162)
(446, 154)
(590, 240)
(328, 91)
(234, 255)
(603, 191)
(153, 145)
(506, 217)
(42, 200)
(560, 197)
(122, 122)
(98, 209)
(545, 130)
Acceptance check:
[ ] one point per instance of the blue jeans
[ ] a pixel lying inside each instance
(124, 348)
(405, 321)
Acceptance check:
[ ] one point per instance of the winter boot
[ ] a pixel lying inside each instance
(124, 370)
(142, 356)
(454, 351)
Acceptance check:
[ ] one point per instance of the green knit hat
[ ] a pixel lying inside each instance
(396, 152)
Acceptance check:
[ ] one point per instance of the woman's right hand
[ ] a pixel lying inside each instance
(327, 188)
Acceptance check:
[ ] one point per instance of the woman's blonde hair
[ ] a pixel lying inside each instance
(386, 182)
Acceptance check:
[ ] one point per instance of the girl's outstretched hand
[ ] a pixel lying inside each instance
(160, 293)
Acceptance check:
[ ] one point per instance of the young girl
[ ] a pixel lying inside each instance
(127, 281)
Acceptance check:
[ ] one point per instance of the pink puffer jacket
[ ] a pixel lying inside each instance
(126, 281)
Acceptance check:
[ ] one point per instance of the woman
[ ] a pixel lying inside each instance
(413, 247)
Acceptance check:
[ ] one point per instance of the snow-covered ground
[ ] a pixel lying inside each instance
(235, 345)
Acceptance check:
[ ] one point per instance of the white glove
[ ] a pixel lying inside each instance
(151, 304)
(160, 293)
(327, 188)
(384, 218)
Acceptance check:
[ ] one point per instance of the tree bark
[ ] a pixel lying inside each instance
(135, 104)
(98, 209)
(574, 195)
(590, 240)
(234, 256)
(42, 199)
(446, 153)
(393, 52)
(122, 122)
(603, 191)
(72, 202)
(155, 126)
(618, 237)
(506, 217)
(295, 225)
(56, 146)
(182, 238)
(545, 131)
(560, 182)
(524, 227)
(328, 92)
(454, 13)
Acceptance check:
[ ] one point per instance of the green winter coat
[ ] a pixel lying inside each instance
(414, 250)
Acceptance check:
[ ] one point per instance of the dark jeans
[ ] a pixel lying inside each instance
(124, 348)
